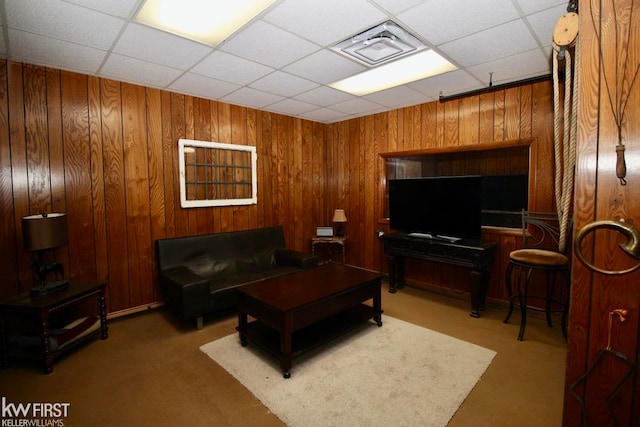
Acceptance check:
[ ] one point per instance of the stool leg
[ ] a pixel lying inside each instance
(565, 307)
(509, 291)
(523, 305)
(551, 278)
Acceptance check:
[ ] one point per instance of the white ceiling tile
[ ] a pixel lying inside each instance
(194, 84)
(262, 42)
(446, 84)
(397, 6)
(548, 51)
(291, 107)
(64, 21)
(122, 8)
(532, 6)
(149, 44)
(35, 49)
(494, 43)
(543, 23)
(281, 54)
(396, 97)
(356, 106)
(516, 67)
(251, 98)
(324, 67)
(325, 115)
(324, 96)
(440, 21)
(325, 22)
(230, 68)
(133, 70)
(283, 84)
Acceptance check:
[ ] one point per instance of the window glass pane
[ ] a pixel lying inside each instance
(216, 174)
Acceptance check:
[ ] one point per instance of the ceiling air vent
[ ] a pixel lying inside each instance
(380, 44)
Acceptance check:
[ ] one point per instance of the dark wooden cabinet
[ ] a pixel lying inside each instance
(475, 255)
(50, 343)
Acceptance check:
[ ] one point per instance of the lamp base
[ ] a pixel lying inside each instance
(48, 288)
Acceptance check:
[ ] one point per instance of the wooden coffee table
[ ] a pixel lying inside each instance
(299, 311)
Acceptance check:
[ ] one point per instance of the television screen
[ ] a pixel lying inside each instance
(503, 199)
(439, 206)
(505, 193)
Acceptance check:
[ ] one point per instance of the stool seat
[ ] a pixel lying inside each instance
(539, 257)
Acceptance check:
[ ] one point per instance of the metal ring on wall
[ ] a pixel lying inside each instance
(632, 247)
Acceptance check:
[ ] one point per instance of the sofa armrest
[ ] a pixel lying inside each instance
(185, 291)
(295, 258)
(184, 277)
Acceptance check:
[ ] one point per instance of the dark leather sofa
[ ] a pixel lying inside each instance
(200, 275)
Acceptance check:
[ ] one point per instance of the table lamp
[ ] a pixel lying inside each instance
(339, 218)
(39, 233)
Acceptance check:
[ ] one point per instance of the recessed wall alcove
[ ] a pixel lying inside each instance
(507, 168)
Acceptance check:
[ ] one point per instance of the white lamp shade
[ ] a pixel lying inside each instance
(339, 216)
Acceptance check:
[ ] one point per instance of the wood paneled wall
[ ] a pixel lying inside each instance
(609, 43)
(105, 153)
(356, 175)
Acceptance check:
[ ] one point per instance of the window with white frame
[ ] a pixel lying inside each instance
(216, 174)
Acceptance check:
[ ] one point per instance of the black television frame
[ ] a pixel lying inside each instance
(445, 206)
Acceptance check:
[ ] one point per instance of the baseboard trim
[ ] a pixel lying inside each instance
(134, 310)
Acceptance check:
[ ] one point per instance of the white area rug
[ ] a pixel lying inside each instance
(399, 374)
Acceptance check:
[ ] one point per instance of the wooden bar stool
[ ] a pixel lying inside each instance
(540, 252)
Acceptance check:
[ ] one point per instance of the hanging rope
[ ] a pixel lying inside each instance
(564, 143)
(565, 140)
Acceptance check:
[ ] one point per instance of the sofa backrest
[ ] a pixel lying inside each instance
(222, 253)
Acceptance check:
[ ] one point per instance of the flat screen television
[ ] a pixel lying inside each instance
(438, 206)
(503, 199)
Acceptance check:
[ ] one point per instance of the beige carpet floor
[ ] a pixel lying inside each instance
(150, 372)
(399, 374)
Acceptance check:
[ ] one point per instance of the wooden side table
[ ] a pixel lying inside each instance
(42, 308)
(341, 241)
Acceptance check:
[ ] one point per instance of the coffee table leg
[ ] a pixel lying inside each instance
(286, 372)
(242, 326)
(286, 346)
(377, 306)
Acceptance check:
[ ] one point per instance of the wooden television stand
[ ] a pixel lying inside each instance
(473, 254)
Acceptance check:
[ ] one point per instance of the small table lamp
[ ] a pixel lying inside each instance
(340, 218)
(39, 233)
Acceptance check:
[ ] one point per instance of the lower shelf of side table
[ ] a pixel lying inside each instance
(30, 347)
(40, 317)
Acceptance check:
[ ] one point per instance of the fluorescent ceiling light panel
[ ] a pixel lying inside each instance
(415, 67)
(206, 21)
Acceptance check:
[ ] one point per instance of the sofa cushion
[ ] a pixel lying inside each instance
(230, 281)
(265, 258)
(205, 266)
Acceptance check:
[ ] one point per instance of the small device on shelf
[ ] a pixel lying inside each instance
(324, 231)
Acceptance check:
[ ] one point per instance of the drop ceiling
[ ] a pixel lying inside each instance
(282, 61)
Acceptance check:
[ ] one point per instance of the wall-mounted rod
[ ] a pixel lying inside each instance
(492, 88)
